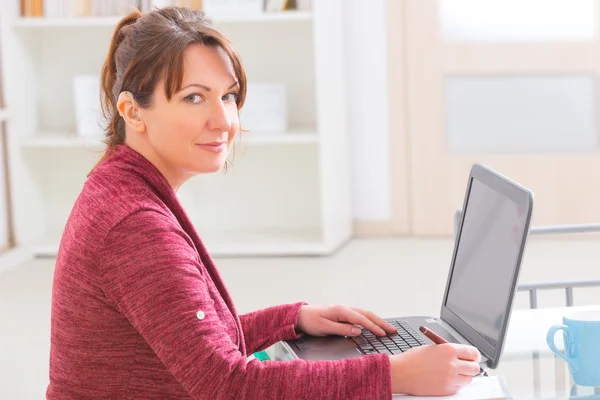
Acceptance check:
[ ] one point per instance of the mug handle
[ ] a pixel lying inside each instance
(550, 340)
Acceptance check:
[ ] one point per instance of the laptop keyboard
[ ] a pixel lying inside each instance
(397, 343)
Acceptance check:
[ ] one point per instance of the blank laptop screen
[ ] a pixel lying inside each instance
(486, 259)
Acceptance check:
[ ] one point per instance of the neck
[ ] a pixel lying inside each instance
(174, 178)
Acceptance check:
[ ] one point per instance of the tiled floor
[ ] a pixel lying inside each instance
(389, 276)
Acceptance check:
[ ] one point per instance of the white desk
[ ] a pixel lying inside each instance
(531, 370)
(527, 329)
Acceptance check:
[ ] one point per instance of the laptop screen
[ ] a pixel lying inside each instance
(486, 259)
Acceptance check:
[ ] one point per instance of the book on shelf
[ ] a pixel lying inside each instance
(106, 8)
(32, 8)
(193, 4)
(77, 8)
(96, 8)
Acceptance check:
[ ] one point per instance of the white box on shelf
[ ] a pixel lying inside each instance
(216, 9)
(265, 108)
(88, 113)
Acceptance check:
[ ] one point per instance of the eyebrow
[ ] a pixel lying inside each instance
(234, 84)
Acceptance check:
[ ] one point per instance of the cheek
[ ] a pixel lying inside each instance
(178, 127)
(235, 125)
(187, 124)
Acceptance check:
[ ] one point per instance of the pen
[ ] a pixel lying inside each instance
(437, 339)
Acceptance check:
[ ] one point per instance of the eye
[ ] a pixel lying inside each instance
(193, 98)
(230, 96)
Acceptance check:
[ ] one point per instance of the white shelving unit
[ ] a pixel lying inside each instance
(287, 193)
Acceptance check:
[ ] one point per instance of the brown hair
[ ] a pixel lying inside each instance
(150, 46)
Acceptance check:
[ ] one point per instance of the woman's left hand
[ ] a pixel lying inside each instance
(340, 320)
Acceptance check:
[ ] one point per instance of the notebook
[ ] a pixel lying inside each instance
(482, 388)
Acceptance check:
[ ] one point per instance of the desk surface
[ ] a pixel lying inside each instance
(531, 370)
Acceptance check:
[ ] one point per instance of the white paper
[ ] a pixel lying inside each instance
(481, 388)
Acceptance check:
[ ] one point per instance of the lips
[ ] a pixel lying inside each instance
(214, 147)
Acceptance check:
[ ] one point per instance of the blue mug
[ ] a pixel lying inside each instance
(581, 333)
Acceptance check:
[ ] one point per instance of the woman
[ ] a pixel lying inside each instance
(138, 308)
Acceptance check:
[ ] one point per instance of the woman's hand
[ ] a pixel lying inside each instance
(434, 370)
(340, 320)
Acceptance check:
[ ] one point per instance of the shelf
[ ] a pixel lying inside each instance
(84, 22)
(59, 140)
(299, 242)
(3, 114)
(13, 258)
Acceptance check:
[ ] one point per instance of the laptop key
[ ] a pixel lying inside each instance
(359, 340)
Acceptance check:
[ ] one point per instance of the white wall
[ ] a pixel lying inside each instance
(366, 55)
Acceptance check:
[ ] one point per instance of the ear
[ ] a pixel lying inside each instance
(129, 110)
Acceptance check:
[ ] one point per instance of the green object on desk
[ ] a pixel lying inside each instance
(262, 356)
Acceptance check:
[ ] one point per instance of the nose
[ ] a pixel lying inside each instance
(219, 119)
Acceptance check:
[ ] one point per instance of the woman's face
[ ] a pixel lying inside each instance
(192, 133)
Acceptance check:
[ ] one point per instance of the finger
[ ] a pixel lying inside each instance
(377, 320)
(357, 318)
(340, 328)
(468, 353)
(467, 368)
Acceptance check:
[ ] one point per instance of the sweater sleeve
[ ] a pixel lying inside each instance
(266, 327)
(153, 276)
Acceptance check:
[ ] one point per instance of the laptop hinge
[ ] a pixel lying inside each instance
(461, 339)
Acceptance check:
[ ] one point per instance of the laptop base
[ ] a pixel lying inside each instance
(341, 347)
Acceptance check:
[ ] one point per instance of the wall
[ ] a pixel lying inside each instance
(366, 55)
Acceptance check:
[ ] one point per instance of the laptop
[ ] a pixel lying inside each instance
(480, 288)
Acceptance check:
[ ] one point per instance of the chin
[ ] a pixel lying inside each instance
(210, 169)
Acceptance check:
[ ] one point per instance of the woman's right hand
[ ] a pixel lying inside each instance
(434, 370)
